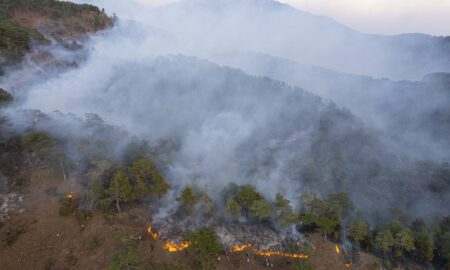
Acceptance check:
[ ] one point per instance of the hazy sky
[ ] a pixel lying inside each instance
(376, 16)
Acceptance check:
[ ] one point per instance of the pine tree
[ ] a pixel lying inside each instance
(246, 196)
(285, 215)
(187, 199)
(358, 231)
(260, 209)
(424, 245)
(143, 171)
(385, 240)
(120, 189)
(405, 239)
(159, 186)
(232, 207)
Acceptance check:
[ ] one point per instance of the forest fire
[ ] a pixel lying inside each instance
(270, 253)
(154, 235)
(240, 248)
(337, 249)
(173, 247)
(170, 246)
(69, 196)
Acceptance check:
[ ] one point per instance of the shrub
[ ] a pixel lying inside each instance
(126, 256)
(302, 265)
(38, 142)
(204, 247)
(65, 209)
(93, 243)
(12, 237)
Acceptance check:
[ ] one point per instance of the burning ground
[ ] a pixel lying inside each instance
(57, 242)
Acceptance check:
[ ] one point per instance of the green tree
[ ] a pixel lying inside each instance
(232, 207)
(125, 257)
(326, 226)
(306, 200)
(38, 142)
(395, 227)
(281, 202)
(285, 215)
(358, 231)
(385, 240)
(286, 218)
(246, 196)
(204, 247)
(443, 246)
(5, 97)
(96, 189)
(60, 164)
(340, 204)
(187, 199)
(442, 240)
(230, 191)
(100, 169)
(404, 239)
(206, 204)
(120, 189)
(424, 245)
(418, 225)
(159, 186)
(143, 171)
(260, 209)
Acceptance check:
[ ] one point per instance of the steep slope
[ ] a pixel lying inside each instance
(26, 24)
(414, 113)
(228, 126)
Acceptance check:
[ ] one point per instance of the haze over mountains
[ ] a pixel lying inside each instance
(251, 92)
(147, 75)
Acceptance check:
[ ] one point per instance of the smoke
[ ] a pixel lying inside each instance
(163, 74)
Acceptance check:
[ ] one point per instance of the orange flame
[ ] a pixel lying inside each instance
(69, 196)
(270, 253)
(240, 248)
(154, 235)
(173, 247)
(170, 246)
(348, 264)
(337, 249)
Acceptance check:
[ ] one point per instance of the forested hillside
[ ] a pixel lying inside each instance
(162, 142)
(25, 24)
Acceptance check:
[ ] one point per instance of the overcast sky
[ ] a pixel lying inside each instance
(376, 16)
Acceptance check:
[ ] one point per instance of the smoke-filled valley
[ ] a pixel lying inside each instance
(230, 125)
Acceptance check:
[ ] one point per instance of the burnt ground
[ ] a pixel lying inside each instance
(50, 241)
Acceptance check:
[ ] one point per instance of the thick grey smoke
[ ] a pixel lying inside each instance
(159, 76)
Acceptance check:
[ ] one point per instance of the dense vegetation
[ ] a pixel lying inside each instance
(342, 157)
(111, 182)
(61, 8)
(15, 40)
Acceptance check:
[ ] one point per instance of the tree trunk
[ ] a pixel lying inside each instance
(117, 205)
(62, 167)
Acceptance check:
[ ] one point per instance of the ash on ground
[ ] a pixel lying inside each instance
(262, 237)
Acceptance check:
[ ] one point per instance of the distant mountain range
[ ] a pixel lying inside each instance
(269, 27)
